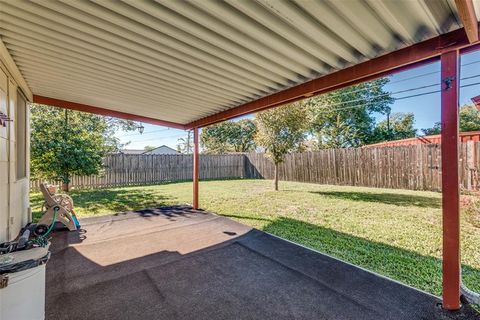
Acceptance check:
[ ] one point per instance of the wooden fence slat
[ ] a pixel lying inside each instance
(415, 167)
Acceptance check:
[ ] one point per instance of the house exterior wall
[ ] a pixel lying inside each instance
(14, 189)
(4, 160)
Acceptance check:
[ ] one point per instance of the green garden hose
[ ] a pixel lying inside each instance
(470, 295)
(55, 210)
(42, 239)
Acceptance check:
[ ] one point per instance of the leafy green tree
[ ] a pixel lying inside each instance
(469, 117)
(345, 118)
(229, 136)
(396, 126)
(148, 148)
(185, 145)
(436, 129)
(280, 131)
(66, 143)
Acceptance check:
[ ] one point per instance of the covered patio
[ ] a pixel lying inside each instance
(187, 65)
(180, 263)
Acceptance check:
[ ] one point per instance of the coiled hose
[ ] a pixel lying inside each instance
(42, 239)
(471, 296)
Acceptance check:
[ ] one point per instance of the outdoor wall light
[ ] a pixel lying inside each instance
(4, 119)
(140, 128)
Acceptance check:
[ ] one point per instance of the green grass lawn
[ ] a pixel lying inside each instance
(396, 233)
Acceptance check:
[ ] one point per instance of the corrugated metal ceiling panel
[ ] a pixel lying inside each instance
(183, 60)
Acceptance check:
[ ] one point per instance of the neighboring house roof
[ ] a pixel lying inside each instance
(476, 101)
(158, 150)
(433, 139)
(162, 150)
(132, 151)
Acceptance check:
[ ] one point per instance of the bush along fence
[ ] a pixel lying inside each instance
(416, 167)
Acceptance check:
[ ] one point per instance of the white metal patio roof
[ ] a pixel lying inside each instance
(181, 61)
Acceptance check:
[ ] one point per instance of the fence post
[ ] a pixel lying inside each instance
(470, 165)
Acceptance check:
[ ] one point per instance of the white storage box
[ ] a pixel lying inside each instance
(23, 297)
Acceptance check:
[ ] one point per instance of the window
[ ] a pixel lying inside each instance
(21, 135)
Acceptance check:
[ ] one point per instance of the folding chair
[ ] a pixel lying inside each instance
(64, 206)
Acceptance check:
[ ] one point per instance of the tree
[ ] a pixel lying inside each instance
(280, 131)
(66, 143)
(469, 118)
(149, 148)
(396, 126)
(436, 129)
(229, 136)
(185, 145)
(345, 118)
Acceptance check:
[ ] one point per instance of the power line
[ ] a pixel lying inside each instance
(136, 134)
(409, 78)
(359, 105)
(160, 138)
(401, 98)
(470, 77)
(351, 101)
(385, 94)
(398, 92)
(431, 73)
(404, 97)
(470, 85)
(415, 77)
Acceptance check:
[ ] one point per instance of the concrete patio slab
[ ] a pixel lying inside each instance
(179, 263)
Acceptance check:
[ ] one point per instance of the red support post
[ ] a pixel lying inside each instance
(196, 168)
(450, 180)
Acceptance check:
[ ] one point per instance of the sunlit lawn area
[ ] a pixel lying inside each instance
(396, 233)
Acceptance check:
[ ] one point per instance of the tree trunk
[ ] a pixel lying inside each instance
(66, 186)
(276, 176)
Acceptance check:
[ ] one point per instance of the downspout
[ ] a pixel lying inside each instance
(9, 158)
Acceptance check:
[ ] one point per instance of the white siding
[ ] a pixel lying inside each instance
(14, 198)
(4, 164)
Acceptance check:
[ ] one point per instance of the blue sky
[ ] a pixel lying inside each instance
(426, 108)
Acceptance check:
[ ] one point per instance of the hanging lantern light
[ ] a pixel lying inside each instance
(140, 128)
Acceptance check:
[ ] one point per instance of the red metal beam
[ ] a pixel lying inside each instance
(196, 168)
(450, 180)
(400, 60)
(466, 11)
(104, 112)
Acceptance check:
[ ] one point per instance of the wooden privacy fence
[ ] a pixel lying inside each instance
(415, 167)
(131, 170)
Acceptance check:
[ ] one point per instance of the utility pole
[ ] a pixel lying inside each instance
(389, 134)
(189, 137)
